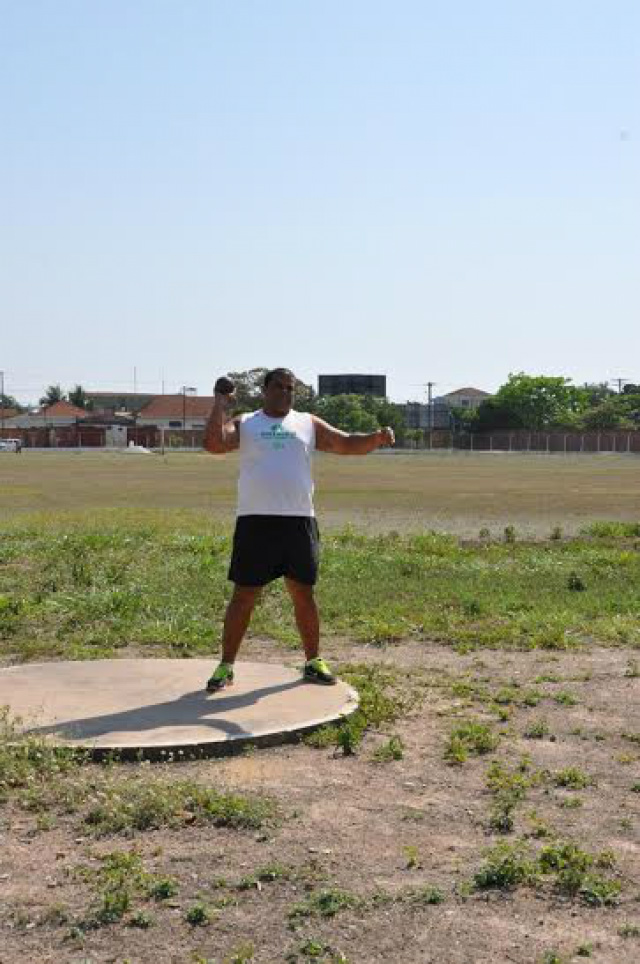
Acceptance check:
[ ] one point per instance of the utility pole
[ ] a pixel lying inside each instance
(192, 391)
(2, 402)
(430, 404)
(135, 380)
(621, 383)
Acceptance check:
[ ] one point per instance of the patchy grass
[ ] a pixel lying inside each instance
(108, 799)
(383, 700)
(82, 587)
(326, 902)
(138, 805)
(366, 823)
(393, 749)
(572, 778)
(119, 884)
(562, 864)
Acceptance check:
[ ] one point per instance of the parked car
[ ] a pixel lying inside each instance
(10, 445)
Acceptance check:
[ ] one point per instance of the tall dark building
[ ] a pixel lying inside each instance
(353, 385)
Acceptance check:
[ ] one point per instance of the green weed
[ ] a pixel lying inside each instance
(509, 787)
(506, 866)
(537, 730)
(562, 863)
(584, 950)
(427, 895)
(393, 749)
(323, 903)
(413, 857)
(198, 915)
(572, 778)
(379, 704)
(118, 883)
(572, 870)
(241, 954)
(565, 698)
(470, 737)
(140, 805)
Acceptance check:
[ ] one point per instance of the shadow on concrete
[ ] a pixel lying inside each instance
(197, 708)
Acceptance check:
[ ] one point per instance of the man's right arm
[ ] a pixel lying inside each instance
(222, 432)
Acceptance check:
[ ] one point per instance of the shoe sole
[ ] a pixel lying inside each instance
(318, 681)
(217, 687)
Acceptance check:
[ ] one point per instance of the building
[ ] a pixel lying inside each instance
(180, 412)
(54, 426)
(462, 398)
(59, 415)
(417, 416)
(353, 385)
(8, 412)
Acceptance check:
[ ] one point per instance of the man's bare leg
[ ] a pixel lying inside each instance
(307, 617)
(236, 620)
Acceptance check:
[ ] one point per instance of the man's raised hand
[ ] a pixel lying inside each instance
(225, 391)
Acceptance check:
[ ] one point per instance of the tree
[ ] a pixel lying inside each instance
(52, 395)
(387, 414)
(361, 413)
(78, 397)
(464, 419)
(492, 415)
(605, 416)
(597, 392)
(347, 413)
(249, 391)
(534, 402)
(8, 401)
(306, 399)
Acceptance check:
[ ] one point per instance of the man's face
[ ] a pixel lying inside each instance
(278, 395)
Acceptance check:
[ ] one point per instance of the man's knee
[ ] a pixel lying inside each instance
(246, 595)
(300, 591)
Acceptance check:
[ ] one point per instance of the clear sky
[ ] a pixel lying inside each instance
(444, 191)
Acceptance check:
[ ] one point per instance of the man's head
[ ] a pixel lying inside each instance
(278, 389)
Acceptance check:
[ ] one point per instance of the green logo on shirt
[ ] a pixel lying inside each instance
(278, 436)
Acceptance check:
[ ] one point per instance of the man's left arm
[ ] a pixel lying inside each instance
(330, 439)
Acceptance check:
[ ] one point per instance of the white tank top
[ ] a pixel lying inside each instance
(275, 464)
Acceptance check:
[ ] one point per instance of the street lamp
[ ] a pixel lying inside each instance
(192, 391)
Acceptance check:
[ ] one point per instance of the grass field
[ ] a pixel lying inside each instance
(483, 807)
(459, 493)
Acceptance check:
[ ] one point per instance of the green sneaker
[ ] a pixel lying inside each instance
(317, 671)
(223, 676)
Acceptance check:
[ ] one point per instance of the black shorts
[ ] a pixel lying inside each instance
(266, 547)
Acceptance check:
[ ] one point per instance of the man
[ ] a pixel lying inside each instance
(276, 530)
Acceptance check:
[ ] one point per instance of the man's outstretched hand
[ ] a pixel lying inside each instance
(387, 437)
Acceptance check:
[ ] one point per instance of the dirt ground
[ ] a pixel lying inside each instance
(376, 831)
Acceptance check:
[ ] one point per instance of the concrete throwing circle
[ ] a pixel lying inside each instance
(156, 708)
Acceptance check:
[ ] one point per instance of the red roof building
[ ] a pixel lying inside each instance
(177, 411)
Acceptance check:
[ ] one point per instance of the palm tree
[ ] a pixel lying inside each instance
(78, 397)
(52, 395)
